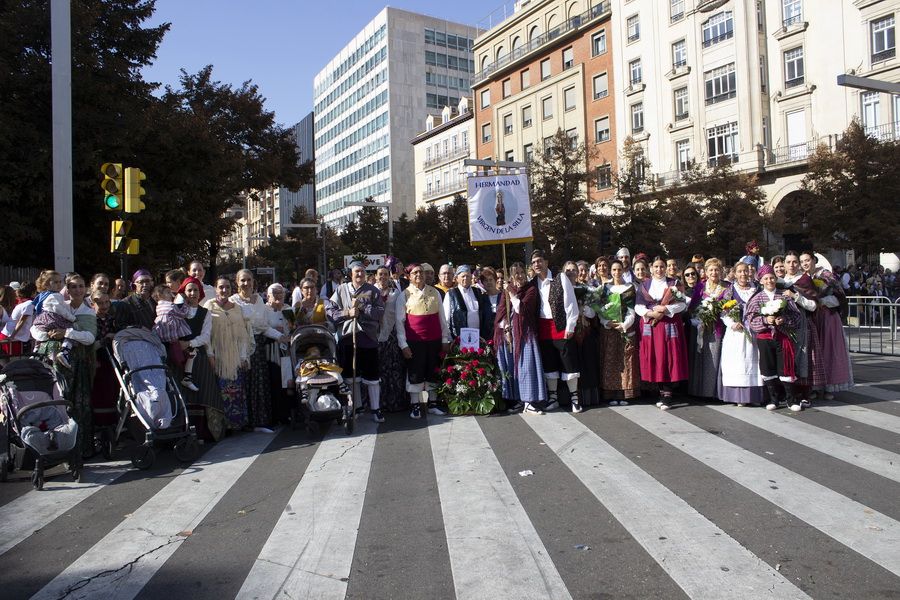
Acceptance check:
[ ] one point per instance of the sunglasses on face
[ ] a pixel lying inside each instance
(690, 274)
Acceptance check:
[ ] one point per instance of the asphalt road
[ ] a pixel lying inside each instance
(705, 501)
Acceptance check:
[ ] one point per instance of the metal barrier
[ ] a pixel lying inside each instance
(872, 325)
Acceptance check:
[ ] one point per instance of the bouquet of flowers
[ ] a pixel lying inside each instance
(674, 293)
(593, 297)
(776, 308)
(709, 312)
(471, 379)
(732, 310)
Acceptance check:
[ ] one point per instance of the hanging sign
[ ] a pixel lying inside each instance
(499, 210)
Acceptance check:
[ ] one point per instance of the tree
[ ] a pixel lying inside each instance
(561, 217)
(639, 217)
(849, 198)
(368, 233)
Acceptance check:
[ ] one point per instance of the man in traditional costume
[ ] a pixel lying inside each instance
(467, 306)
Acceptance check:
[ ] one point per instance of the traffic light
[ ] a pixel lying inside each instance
(112, 186)
(119, 240)
(133, 190)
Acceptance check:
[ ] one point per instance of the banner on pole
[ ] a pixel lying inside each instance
(499, 210)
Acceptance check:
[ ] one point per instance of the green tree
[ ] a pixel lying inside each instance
(638, 215)
(368, 233)
(561, 217)
(850, 194)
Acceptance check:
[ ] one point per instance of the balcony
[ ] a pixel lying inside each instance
(445, 189)
(790, 83)
(792, 20)
(719, 38)
(884, 55)
(573, 24)
(721, 97)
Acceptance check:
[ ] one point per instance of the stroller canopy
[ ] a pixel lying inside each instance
(139, 335)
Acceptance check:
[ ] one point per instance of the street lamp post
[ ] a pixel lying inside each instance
(390, 223)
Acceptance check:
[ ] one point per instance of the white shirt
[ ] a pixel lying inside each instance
(85, 338)
(801, 301)
(258, 314)
(205, 331)
(471, 306)
(25, 309)
(569, 302)
(400, 323)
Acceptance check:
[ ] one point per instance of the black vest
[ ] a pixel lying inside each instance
(196, 324)
(459, 313)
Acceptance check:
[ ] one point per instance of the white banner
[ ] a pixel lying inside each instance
(499, 210)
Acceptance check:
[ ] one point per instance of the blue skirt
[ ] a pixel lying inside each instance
(526, 383)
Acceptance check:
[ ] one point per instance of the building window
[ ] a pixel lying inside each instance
(601, 85)
(676, 10)
(526, 117)
(427, 154)
(679, 54)
(465, 139)
(871, 111)
(683, 154)
(548, 146)
(682, 106)
(634, 28)
(722, 143)
(792, 12)
(485, 98)
(568, 58)
(547, 107)
(720, 84)
(793, 67)
(634, 67)
(604, 177)
(601, 130)
(569, 98)
(572, 134)
(763, 73)
(507, 124)
(545, 69)
(598, 43)
(717, 28)
(760, 19)
(528, 152)
(637, 117)
(485, 133)
(510, 156)
(883, 41)
(507, 88)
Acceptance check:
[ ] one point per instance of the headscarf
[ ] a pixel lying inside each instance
(411, 266)
(140, 273)
(462, 269)
(764, 270)
(187, 281)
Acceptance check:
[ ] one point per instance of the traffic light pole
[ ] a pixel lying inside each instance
(61, 74)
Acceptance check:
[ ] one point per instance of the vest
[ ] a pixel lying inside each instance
(196, 324)
(557, 306)
(459, 313)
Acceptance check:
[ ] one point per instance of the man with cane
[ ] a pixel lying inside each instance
(356, 307)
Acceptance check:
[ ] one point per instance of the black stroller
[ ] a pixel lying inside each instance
(36, 430)
(150, 396)
(323, 395)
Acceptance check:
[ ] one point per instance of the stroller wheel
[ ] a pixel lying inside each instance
(187, 449)
(37, 480)
(107, 444)
(143, 456)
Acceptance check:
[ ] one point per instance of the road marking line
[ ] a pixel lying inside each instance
(871, 533)
(859, 454)
(872, 392)
(310, 550)
(34, 510)
(120, 564)
(701, 558)
(495, 551)
(863, 415)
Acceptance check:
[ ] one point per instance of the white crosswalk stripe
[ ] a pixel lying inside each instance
(494, 542)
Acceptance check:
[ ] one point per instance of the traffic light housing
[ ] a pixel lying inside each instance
(113, 186)
(119, 240)
(133, 190)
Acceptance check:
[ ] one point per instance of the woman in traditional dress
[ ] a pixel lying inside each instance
(773, 331)
(310, 309)
(777, 263)
(663, 349)
(259, 394)
(704, 376)
(740, 381)
(809, 363)
(586, 336)
(488, 280)
(230, 347)
(641, 271)
(80, 378)
(515, 331)
(620, 365)
(601, 271)
(832, 306)
(390, 359)
(281, 318)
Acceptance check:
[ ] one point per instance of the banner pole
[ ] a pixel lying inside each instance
(507, 337)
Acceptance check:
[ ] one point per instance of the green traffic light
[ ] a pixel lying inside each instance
(112, 202)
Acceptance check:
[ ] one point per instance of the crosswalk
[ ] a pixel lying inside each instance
(627, 502)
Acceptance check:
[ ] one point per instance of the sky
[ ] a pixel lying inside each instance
(278, 44)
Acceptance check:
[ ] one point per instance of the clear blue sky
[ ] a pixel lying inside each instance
(279, 44)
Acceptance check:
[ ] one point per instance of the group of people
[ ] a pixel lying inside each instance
(752, 333)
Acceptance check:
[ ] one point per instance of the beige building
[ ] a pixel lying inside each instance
(439, 153)
(547, 66)
(753, 82)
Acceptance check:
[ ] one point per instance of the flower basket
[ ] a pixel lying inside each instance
(470, 380)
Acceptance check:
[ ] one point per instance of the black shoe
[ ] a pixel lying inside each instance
(519, 405)
(377, 416)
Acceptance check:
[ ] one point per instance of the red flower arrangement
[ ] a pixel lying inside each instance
(472, 381)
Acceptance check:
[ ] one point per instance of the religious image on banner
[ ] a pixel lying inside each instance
(499, 209)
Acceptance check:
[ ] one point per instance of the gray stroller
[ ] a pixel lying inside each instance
(150, 397)
(323, 395)
(36, 431)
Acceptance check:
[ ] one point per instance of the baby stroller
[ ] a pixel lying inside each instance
(36, 431)
(322, 394)
(150, 395)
